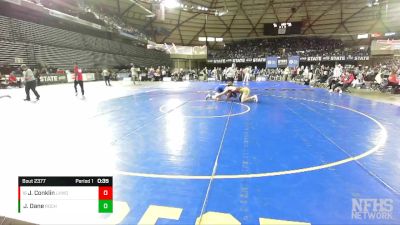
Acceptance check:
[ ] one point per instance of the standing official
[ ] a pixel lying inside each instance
(133, 73)
(106, 76)
(231, 73)
(78, 79)
(30, 82)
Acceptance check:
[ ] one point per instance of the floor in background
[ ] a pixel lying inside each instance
(377, 96)
(300, 154)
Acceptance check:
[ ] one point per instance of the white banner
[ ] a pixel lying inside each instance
(85, 76)
(88, 77)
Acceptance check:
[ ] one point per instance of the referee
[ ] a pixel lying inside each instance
(30, 82)
(106, 76)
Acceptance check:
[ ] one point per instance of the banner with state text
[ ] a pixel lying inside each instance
(326, 58)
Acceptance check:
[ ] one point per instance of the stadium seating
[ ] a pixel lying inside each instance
(284, 46)
(11, 50)
(35, 43)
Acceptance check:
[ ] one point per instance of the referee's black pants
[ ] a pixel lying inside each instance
(31, 85)
(80, 82)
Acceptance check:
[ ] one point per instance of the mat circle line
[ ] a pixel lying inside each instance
(380, 143)
(162, 109)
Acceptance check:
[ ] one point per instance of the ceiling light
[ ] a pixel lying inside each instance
(362, 36)
(211, 39)
(223, 12)
(390, 34)
(171, 4)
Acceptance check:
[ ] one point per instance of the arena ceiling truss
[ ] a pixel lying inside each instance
(244, 19)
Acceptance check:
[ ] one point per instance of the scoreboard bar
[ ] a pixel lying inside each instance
(57, 194)
(65, 181)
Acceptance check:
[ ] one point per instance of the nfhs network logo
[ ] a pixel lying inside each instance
(372, 209)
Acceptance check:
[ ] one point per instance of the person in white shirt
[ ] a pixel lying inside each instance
(224, 74)
(30, 82)
(163, 72)
(231, 72)
(305, 73)
(106, 76)
(337, 72)
(215, 73)
(133, 73)
(286, 73)
(247, 72)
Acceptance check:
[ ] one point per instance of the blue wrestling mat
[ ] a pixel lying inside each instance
(300, 155)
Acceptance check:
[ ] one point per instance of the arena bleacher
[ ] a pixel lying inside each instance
(36, 43)
(285, 46)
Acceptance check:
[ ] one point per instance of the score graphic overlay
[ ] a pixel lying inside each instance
(65, 194)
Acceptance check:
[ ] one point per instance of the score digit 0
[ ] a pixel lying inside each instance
(105, 193)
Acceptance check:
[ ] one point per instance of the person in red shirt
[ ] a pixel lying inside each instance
(348, 79)
(393, 79)
(12, 80)
(78, 79)
(345, 81)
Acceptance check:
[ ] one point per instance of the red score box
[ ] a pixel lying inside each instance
(105, 193)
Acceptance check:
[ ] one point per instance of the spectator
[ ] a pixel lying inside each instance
(393, 81)
(337, 72)
(286, 73)
(13, 81)
(285, 46)
(349, 78)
